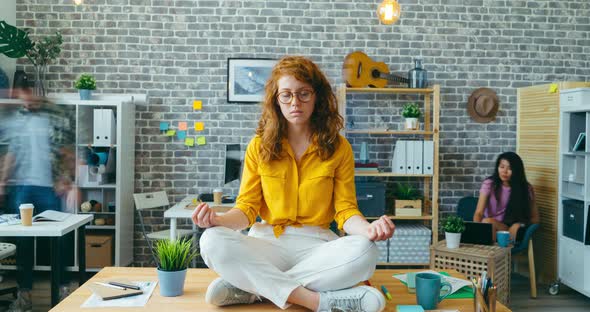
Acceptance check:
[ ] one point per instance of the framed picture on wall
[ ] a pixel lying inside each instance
(246, 78)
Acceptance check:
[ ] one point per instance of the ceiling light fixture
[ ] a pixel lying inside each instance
(388, 12)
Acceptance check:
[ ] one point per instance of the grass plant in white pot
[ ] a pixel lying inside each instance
(173, 258)
(453, 226)
(411, 112)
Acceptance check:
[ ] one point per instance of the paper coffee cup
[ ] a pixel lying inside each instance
(26, 214)
(217, 194)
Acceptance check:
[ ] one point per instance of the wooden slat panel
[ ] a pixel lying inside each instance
(538, 145)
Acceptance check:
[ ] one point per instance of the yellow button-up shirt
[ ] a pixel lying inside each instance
(285, 192)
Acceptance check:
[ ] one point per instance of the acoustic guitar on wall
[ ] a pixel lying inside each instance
(359, 71)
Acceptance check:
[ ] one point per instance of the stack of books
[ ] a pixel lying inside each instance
(366, 167)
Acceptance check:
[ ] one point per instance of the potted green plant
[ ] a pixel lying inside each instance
(173, 258)
(453, 226)
(408, 200)
(15, 43)
(85, 84)
(411, 112)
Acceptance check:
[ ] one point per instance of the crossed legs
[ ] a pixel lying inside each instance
(289, 269)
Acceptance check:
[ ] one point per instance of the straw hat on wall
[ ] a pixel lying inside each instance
(483, 104)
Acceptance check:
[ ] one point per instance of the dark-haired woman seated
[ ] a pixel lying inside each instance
(506, 199)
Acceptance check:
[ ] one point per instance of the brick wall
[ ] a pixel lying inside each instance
(176, 51)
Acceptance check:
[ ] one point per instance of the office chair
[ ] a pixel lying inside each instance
(7, 250)
(466, 208)
(144, 201)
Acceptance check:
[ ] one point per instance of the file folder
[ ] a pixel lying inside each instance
(428, 156)
(399, 158)
(417, 146)
(410, 157)
(104, 127)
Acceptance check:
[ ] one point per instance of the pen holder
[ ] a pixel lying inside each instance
(479, 303)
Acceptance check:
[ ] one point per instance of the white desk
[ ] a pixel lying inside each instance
(179, 211)
(55, 230)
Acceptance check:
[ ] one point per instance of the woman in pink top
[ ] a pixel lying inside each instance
(506, 199)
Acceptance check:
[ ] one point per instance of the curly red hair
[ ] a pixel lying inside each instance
(325, 121)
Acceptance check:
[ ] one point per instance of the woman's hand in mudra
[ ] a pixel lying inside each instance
(380, 229)
(203, 216)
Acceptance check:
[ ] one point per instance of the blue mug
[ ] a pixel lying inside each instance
(428, 288)
(503, 238)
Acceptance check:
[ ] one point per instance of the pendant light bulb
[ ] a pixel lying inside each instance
(388, 11)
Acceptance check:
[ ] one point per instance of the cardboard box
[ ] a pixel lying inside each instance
(99, 250)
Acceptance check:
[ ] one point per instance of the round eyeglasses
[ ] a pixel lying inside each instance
(286, 97)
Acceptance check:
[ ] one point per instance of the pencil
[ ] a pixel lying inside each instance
(386, 292)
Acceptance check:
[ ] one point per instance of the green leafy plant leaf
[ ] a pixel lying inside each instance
(406, 192)
(86, 82)
(174, 255)
(411, 110)
(14, 42)
(453, 224)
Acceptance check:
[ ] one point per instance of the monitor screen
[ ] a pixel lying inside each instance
(233, 162)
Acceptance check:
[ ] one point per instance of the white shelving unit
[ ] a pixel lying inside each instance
(431, 110)
(574, 191)
(119, 190)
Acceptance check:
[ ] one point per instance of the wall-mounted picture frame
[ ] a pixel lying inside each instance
(246, 78)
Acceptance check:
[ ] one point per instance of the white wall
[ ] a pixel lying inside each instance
(8, 14)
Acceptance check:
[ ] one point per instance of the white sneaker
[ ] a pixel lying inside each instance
(222, 293)
(23, 302)
(357, 299)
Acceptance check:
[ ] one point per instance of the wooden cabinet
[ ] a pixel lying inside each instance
(430, 104)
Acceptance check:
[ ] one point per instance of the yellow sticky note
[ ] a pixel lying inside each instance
(197, 105)
(199, 126)
(553, 88)
(201, 140)
(182, 125)
(189, 142)
(170, 132)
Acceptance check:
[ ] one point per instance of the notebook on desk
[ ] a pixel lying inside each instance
(109, 292)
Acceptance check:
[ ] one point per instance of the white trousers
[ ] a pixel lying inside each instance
(271, 267)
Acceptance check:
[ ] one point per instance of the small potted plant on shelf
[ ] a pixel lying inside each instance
(173, 258)
(408, 201)
(411, 112)
(453, 226)
(85, 84)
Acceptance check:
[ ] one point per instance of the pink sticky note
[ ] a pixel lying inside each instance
(182, 125)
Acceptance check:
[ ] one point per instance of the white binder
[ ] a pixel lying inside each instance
(410, 157)
(104, 126)
(428, 157)
(399, 158)
(417, 146)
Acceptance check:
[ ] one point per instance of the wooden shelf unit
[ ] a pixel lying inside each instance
(431, 110)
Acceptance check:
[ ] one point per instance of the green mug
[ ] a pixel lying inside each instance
(428, 289)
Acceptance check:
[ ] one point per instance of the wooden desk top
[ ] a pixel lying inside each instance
(198, 279)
